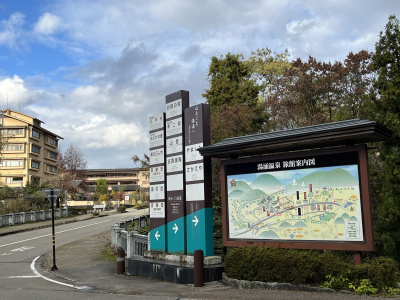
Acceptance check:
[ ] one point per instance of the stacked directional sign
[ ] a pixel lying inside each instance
(176, 232)
(158, 235)
(199, 213)
(185, 225)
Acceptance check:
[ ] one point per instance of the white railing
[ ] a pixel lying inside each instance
(32, 216)
(132, 242)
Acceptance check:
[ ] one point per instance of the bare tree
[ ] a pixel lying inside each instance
(71, 170)
(74, 162)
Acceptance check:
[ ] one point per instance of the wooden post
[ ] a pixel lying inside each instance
(357, 258)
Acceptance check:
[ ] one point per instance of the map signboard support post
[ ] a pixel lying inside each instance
(158, 234)
(176, 231)
(199, 212)
(52, 194)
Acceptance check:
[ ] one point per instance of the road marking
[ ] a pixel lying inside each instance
(41, 236)
(52, 280)
(27, 276)
(22, 249)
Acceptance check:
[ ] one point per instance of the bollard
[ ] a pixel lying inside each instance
(120, 261)
(198, 268)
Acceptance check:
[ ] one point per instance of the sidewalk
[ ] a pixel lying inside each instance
(83, 264)
(93, 271)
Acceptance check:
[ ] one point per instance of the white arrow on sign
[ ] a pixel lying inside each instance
(175, 228)
(157, 235)
(195, 221)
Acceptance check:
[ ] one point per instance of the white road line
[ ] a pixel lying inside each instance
(38, 237)
(27, 276)
(51, 280)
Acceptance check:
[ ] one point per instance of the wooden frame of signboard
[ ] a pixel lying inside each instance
(331, 157)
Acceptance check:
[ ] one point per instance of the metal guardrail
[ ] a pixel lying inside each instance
(32, 216)
(132, 242)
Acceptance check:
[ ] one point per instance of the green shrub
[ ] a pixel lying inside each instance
(382, 272)
(307, 267)
(337, 283)
(121, 209)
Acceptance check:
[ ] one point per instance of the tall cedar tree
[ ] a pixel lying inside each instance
(386, 62)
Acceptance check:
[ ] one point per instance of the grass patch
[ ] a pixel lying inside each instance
(109, 253)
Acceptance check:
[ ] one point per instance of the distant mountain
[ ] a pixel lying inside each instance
(235, 194)
(345, 216)
(252, 195)
(240, 185)
(314, 178)
(339, 221)
(300, 224)
(340, 178)
(270, 235)
(266, 182)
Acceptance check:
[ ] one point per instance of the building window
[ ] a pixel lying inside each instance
(36, 123)
(52, 169)
(15, 131)
(14, 180)
(36, 134)
(35, 149)
(14, 147)
(35, 164)
(52, 155)
(53, 141)
(11, 163)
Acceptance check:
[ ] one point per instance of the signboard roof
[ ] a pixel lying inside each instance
(348, 132)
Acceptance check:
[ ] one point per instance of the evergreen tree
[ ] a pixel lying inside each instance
(386, 62)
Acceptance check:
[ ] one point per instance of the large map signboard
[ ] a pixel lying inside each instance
(313, 199)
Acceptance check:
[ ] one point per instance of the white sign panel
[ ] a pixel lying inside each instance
(157, 174)
(157, 210)
(156, 122)
(174, 108)
(194, 172)
(192, 154)
(157, 192)
(174, 127)
(175, 182)
(157, 156)
(174, 145)
(156, 139)
(175, 163)
(195, 192)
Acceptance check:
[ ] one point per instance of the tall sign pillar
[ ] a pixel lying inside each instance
(176, 231)
(199, 212)
(158, 233)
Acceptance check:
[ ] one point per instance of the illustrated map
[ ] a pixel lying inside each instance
(314, 204)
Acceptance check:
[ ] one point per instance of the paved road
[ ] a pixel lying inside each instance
(19, 278)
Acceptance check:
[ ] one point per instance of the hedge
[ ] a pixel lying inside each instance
(305, 266)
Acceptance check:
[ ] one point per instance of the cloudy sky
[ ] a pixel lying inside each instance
(95, 70)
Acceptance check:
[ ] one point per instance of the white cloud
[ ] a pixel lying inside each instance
(11, 30)
(13, 91)
(129, 55)
(47, 24)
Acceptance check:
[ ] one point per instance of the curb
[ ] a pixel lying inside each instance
(245, 284)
